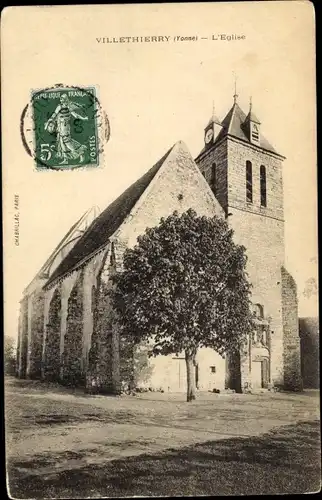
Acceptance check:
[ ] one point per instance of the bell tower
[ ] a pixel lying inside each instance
(244, 172)
(241, 166)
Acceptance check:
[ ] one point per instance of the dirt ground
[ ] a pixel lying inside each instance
(62, 443)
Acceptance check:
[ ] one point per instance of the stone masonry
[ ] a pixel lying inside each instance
(291, 352)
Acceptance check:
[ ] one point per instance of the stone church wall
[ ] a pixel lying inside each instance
(35, 340)
(218, 156)
(68, 325)
(104, 357)
(51, 359)
(238, 155)
(261, 231)
(292, 353)
(67, 285)
(72, 366)
(262, 238)
(245, 367)
(23, 339)
(178, 186)
(310, 352)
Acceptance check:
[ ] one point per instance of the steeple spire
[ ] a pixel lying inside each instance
(235, 94)
(251, 117)
(214, 118)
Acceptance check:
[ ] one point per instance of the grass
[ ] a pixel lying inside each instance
(64, 444)
(282, 461)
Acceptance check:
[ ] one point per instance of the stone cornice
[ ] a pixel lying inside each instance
(254, 147)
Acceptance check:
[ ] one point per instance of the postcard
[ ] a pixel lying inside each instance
(161, 333)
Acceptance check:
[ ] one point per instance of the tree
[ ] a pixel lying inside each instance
(9, 355)
(184, 284)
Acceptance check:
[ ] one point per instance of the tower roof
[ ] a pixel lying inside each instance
(233, 121)
(252, 117)
(233, 125)
(213, 119)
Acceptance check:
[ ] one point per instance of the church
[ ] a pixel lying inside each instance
(67, 330)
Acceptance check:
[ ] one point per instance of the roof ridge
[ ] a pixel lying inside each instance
(58, 247)
(232, 117)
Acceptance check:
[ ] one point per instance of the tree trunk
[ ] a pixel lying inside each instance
(191, 379)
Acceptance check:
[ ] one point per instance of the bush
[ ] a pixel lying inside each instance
(9, 356)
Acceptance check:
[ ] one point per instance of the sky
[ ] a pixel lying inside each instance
(156, 94)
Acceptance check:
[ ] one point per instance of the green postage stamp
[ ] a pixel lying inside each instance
(65, 127)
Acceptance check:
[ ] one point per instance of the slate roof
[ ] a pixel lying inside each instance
(213, 119)
(41, 273)
(234, 125)
(252, 117)
(64, 240)
(103, 227)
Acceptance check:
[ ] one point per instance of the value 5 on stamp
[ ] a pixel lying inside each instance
(65, 127)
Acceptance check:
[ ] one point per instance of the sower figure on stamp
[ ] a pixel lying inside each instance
(67, 148)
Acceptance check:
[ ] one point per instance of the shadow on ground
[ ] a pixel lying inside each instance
(43, 386)
(286, 460)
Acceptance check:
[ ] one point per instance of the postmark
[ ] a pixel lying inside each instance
(64, 127)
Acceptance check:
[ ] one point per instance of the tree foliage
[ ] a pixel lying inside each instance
(185, 284)
(9, 355)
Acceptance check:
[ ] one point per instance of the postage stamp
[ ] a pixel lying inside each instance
(64, 127)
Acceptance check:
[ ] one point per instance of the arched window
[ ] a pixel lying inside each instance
(249, 182)
(263, 186)
(213, 179)
(258, 311)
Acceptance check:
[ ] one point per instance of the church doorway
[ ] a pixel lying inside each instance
(257, 374)
(182, 375)
(260, 374)
(179, 375)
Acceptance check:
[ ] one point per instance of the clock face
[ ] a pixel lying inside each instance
(209, 135)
